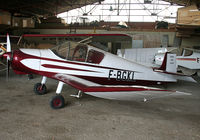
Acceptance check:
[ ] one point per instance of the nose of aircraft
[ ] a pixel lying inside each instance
(14, 59)
(26, 61)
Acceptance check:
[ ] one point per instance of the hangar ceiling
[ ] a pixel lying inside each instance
(183, 2)
(43, 7)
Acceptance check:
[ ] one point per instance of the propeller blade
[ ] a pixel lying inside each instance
(9, 57)
(8, 44)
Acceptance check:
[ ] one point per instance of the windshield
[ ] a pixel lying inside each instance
(78, 52)
(71, 51)
(187, 52)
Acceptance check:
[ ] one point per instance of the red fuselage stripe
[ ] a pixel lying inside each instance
(65, 68)
(187, 59)
(118, 89)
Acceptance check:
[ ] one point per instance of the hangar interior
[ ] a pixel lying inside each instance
(36, 25)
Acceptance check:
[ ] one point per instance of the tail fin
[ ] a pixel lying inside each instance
(169, 66)
(169, 63)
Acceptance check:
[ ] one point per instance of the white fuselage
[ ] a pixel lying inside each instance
(110, 62)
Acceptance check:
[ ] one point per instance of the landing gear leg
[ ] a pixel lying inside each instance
(58, 101)
(40, 88)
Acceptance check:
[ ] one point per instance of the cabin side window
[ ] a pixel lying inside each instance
(95, 57)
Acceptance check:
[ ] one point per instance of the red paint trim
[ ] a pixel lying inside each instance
(118, 89)
(65, 68)
(187, 59)
(164, 63)
(70, 35)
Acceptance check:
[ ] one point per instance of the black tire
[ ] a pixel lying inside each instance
(40, 89)
(57, 102)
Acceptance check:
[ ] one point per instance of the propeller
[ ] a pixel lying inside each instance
(8, 56)
(8, 44)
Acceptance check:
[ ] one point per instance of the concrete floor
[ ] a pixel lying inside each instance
(26, 116)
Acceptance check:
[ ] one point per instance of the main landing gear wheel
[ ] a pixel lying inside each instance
(57, 102)
(40, 89)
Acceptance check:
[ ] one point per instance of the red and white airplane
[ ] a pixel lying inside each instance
(188, 62)
(93, 71)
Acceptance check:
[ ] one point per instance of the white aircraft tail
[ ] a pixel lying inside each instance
(169, 63)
